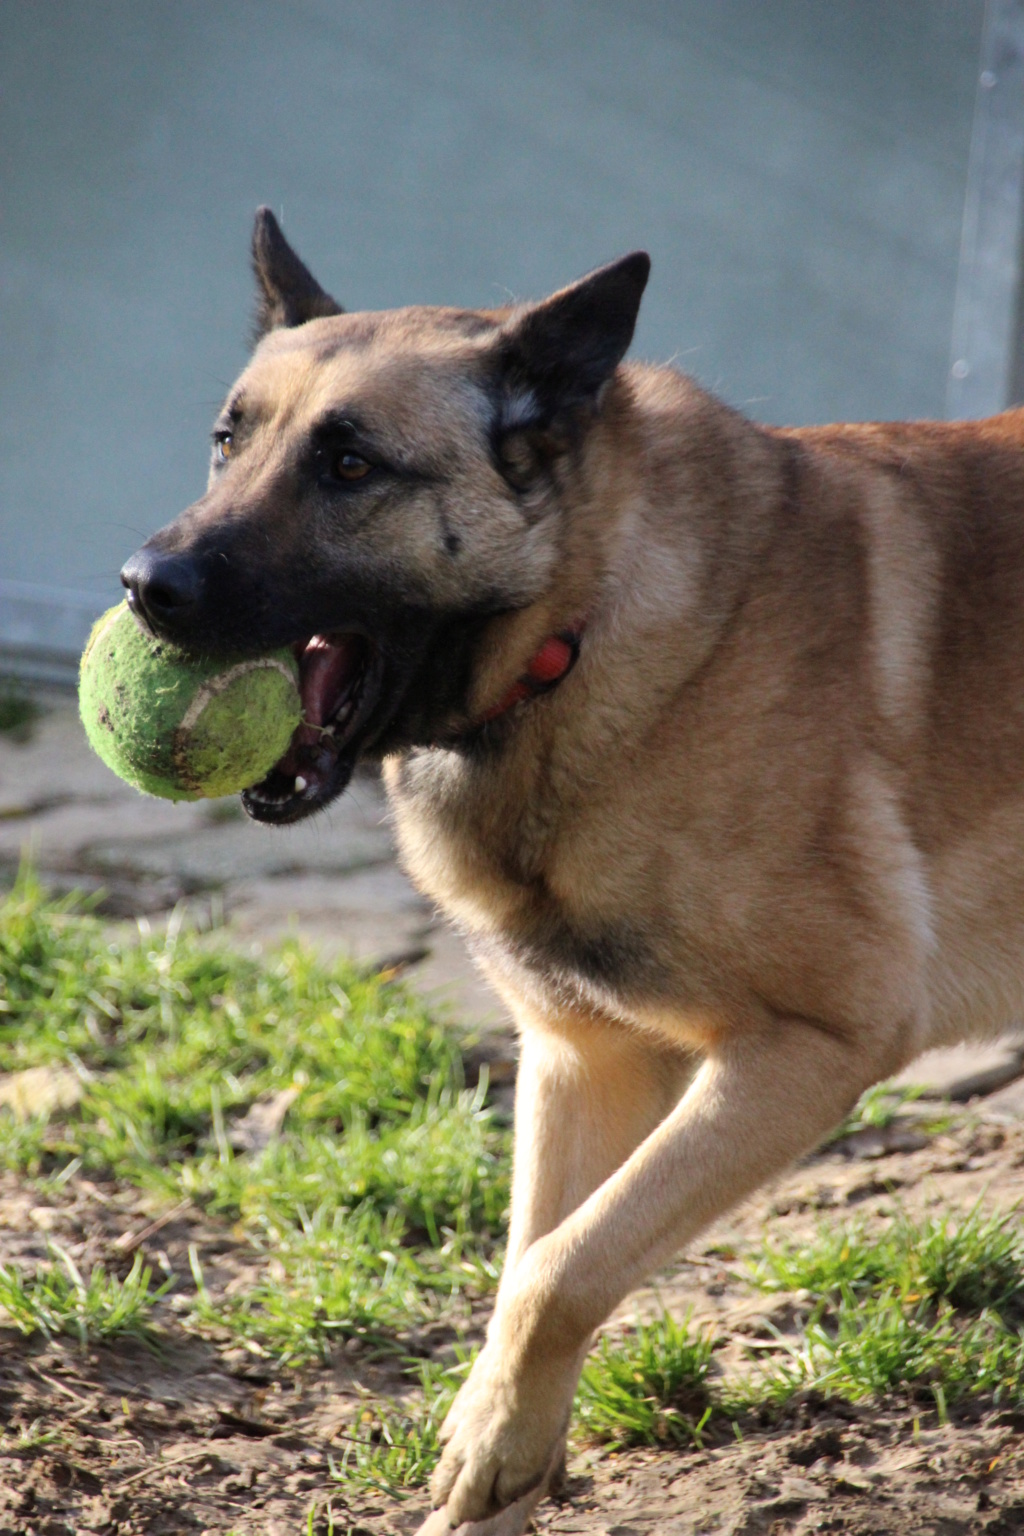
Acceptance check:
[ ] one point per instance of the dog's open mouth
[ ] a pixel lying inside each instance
(339, 679)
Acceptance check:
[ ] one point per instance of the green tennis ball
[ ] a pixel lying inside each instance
(182, 726)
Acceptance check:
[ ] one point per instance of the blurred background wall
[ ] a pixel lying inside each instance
(799, 170)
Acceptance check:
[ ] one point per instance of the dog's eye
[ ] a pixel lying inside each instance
(223, 446)
(350, 466)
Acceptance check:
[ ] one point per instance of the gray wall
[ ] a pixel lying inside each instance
(795, 167)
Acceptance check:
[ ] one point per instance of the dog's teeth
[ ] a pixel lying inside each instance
(300, 783)
(260, 797)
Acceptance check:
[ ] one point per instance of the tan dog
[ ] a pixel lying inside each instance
(773, 816)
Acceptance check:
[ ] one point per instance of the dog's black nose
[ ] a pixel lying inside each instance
(162, 589)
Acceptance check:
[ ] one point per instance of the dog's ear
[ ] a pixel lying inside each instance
(287, 292)
(554, 358)
(563, 349)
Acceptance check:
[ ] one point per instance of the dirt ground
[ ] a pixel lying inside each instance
(201, 1438)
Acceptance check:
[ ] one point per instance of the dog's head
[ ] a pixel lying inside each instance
(383, 486)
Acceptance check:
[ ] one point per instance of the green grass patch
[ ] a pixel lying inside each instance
(919, 1311)
(971, 1261)
(57, 1299)
(652, 1388)
(383, 1194)
(395, 1446)
(928, 1308)
(885, 1346)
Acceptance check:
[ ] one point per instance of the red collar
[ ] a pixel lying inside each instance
(548, 667)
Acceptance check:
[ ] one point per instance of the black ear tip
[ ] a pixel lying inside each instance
(266, 231)
(638, 265)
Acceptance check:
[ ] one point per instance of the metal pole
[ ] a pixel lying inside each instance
(985, 317)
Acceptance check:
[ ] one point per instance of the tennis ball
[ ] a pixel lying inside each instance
(182, 726)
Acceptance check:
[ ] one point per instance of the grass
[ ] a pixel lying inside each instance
(972, 1263)
(378, 1203)
(932, 1308)
(395, 1446)
(925, 1310)
(921, 1310)
(650, 1389)
(884, 1105)
(56, 1299)
(382, 1198)
(886, 1346)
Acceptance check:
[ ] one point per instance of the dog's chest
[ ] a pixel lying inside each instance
(487, 860)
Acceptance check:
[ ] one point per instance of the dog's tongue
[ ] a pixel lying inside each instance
(326, 667)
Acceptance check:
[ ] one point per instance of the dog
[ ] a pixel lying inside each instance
(709, 736)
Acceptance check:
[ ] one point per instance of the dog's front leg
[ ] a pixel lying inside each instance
(760, 1100)
(587, 1094)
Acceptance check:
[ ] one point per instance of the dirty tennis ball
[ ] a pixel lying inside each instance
(181, 726)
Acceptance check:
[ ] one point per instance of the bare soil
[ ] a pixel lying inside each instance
(206, 1437)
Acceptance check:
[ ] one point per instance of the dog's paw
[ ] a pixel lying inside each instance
(513, 1521)
(502, 1436)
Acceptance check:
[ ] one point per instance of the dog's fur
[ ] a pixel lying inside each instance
(772, 822)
